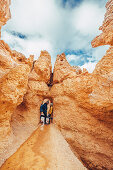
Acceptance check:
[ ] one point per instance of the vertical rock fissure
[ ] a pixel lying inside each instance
(50, 84)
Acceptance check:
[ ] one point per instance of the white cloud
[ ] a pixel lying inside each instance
(28, 46)
(99, 52)
(88, 17)
(54, 28)
(89, 66)
(73, 57)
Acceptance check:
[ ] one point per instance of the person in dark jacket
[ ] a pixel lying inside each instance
(43, 110)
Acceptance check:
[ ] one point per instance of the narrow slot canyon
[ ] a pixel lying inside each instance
(81, 135)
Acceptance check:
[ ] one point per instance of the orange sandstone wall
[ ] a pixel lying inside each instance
(83, 105)
(27, 114)
(83, 112)
(106, 37)
(4, 12)
(23, 86)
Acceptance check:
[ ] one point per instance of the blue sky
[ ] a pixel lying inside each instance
(71, 3)
(57, 26)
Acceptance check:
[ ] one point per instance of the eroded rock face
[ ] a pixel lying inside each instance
(13, 86)
(38, 80)
(77, 69)
(43, 67)
(13, 83)
(106, 37)
(15, 73)
(26, 117)
(104, 67)
(6, 61)
(4, 12)
(83, 105)
(81, 112)
(60, 69)
(22, 92)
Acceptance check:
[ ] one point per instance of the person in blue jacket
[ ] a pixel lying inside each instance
(43, 110)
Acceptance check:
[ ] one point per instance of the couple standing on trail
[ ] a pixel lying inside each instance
(46, 110)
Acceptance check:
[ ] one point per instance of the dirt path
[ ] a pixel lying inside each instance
(46, 149)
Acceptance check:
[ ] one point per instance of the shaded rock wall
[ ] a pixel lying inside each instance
(13, 86)
(27, 114)
(22, 92)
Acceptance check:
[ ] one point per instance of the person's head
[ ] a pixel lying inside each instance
(51, 104)
(47, 102)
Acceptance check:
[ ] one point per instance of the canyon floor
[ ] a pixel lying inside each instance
(45, 149)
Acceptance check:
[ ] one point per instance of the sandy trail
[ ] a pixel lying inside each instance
(46, 149)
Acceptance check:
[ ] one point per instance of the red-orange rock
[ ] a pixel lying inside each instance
(104, 67)
(43, 67)
(37, 89)
(13, 86)
(24, 111)
(60, 69)
(85, 71)
(106, 37)
(30, 60)
(81, 112)
(26, 117)
(4, 12)
(6, 61)
(18, 57)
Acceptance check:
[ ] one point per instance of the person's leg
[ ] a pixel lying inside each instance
(49, 120)
(40, 118)
(45, 118)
